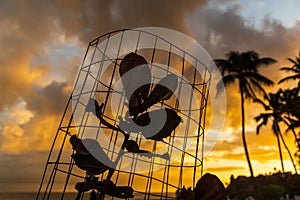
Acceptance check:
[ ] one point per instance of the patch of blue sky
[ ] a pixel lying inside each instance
(58, 57)
(54, 52)
(67, 49)
(255, 11)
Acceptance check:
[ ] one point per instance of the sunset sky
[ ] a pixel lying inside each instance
(43, 44)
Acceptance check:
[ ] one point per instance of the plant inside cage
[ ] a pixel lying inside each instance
(134, 124)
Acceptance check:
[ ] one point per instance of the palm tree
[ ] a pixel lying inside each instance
(294, 69)
(243, 68)
(292, 120)
(292, 108)
(275, 110)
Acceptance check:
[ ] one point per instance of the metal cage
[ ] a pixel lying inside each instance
(98, 77)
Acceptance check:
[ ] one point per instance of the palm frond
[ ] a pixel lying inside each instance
(265, 61)
(266, 107)
(223, 65)
(294, 77)
(293, 61)
(259, 88)
(290, 123)
(293, 107)
(259, 78)
(290, 69)
(263, 117)
(226, 80)
(221, 62)
(249, 92)
(259, 127)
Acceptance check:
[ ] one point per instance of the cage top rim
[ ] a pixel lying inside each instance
(96, 41)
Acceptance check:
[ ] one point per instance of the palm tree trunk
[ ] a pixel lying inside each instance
(286, 147)
(292, 128)
(243, 131)
(280, 153)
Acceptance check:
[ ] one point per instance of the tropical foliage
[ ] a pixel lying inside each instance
(264, 187)
(275, 111)
(295, 69)
(244, 69)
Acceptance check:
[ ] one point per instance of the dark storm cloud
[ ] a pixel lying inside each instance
(88, 19)
(221, 31)
(29, 164)
(50, 99)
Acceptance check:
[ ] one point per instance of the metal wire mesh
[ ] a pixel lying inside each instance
(98, 77)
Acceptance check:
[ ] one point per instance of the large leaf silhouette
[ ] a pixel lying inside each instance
(89, 164)
(158, 132)
(163, 90)
(85, 160)
(136, 84)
